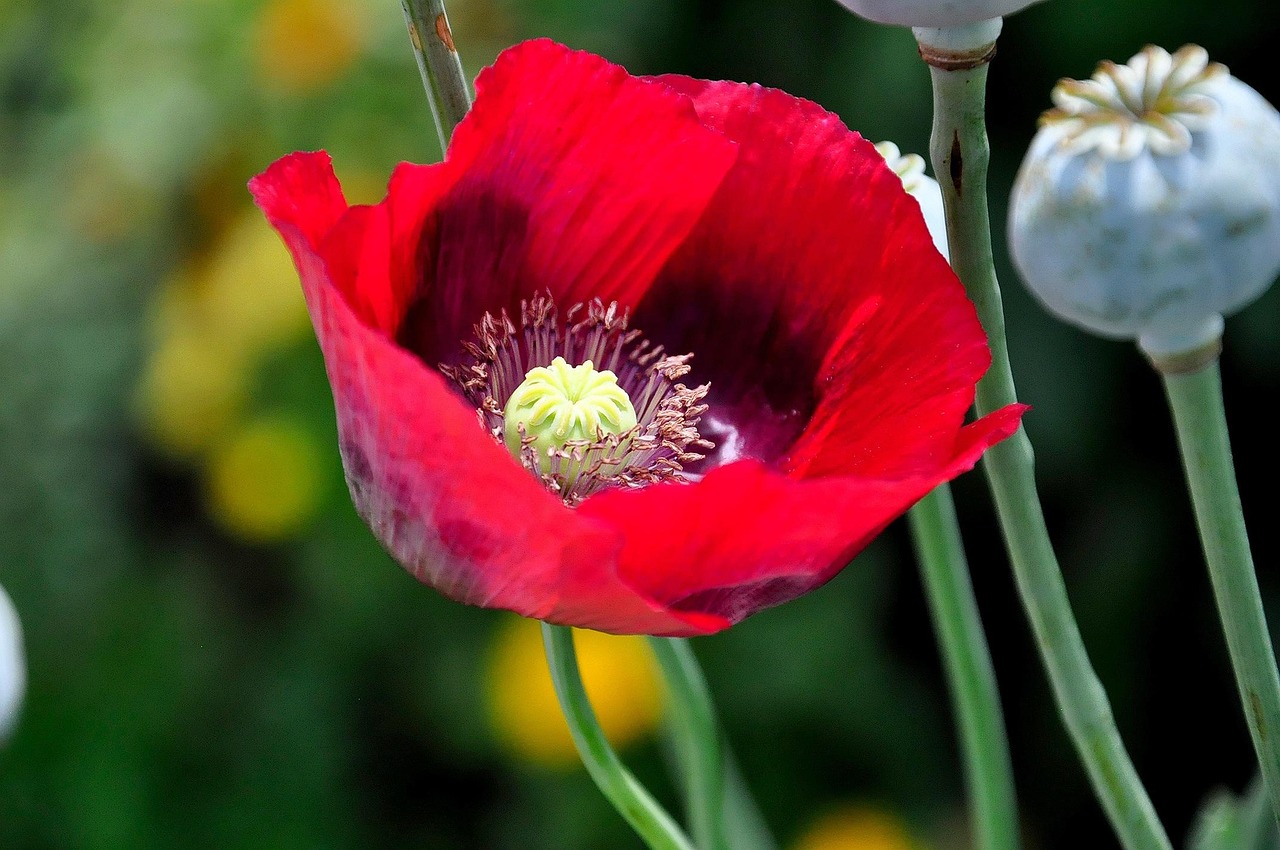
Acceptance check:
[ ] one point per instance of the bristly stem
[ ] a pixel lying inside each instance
(960, 156)
(448, 91)
(984, 745)
(646, 816)
(697, 738)
(1196, 401)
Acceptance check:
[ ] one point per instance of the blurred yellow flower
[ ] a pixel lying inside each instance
(192, 390)
(619, 673)
(264, 483)
(302, 45)
(248, 294)
(211, 323)
(857, 827)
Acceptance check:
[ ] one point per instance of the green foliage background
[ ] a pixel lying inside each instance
(191, 690)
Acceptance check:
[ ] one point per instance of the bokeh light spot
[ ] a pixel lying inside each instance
(303, 45)
(619, 674)
(249, 292)
(191, 392)
(264, 483)
(857, 827)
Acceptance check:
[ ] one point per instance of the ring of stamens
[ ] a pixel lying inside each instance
(657, 448)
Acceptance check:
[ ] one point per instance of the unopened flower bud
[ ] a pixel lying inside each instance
(1148, 206)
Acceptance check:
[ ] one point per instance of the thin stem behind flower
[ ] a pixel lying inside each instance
(1201, 423)
(646, 816)
(960, 156)
(697, 737)
(448, 91)
(984, 745)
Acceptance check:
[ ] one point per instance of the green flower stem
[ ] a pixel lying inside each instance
(730, 817)
(646, 816)
(960, 158)
(697, 739)
(1201, 423)
(935, 531)
(1257, 823)
(448, 91)
(746, 824)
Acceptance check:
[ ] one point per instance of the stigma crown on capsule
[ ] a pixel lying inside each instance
(1148, 205)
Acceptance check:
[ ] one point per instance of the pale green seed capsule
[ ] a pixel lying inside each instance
(559, 404)
(1148, 206)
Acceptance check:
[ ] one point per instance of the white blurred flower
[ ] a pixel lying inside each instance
(13, 674)
(910, 167)
(934, 13)
(1148, 205)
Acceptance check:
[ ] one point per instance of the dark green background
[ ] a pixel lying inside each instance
(188, 690)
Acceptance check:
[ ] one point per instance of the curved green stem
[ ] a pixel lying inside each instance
(646, 816)
(1201, 423)
(448, 91)
(697, 736)
(984, 746)
(960, 158)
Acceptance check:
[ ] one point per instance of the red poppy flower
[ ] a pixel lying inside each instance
(585, 213)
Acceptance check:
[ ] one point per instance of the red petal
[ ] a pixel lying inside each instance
(443, 496)
(301, 188)
(382, 245)
(809, 289)
(574, 177)
(747, 537)
(812, 293)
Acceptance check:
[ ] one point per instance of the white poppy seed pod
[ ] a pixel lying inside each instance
(12, 667)
(910, 168)
(1148, 205)
(934, 13)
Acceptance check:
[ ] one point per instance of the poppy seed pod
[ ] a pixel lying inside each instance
(1148, 205)
(934, 13)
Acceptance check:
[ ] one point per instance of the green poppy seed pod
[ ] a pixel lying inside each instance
(910, 168)
(1148, 205)
(12, 668)
(559, 405)
(934, 13)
